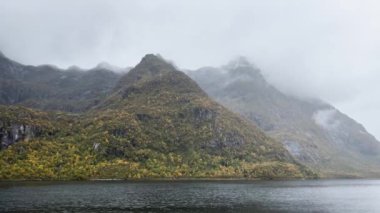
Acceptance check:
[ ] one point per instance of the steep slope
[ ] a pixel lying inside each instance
(50, 88)
(173, 115)
(156, 123)
(315, 133)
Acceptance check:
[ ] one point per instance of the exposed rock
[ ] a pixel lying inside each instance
(203, 114)
(15, 133)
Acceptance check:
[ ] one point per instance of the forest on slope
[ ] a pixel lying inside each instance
(155, 122)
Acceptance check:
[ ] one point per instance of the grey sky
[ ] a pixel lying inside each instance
(327, 49)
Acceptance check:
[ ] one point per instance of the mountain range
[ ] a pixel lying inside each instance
(154, 121)
(314, 132)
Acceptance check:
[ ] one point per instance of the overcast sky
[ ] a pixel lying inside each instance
(325, 49)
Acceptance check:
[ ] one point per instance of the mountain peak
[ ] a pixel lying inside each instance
(2, 55)
(152, 57)
(239, 62)
(154, 63)
(150, 67)
(242, 67)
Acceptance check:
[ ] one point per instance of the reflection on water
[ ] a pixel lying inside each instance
(192, 196)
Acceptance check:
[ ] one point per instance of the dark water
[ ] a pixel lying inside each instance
(192, 196)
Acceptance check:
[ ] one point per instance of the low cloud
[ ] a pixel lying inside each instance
(327, 48)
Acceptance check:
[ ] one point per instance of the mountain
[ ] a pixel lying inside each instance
(47, 87)
(155, 122)
(314, 132)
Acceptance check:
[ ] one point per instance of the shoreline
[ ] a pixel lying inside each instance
(190, 179)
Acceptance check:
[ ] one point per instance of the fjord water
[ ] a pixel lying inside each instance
(192, 196)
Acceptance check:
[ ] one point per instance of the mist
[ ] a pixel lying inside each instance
(320, 49)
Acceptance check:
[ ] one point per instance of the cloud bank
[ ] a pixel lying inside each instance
(328, 49)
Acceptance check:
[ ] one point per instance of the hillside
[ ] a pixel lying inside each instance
(47, 87)
(314, 132)
(156, 122)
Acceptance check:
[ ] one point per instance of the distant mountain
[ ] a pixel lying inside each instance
(50, 88)
(314, 132)
(107, 66)
(155, 122)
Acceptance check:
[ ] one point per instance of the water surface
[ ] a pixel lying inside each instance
(192, 196)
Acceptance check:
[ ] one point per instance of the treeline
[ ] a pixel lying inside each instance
(47, 160)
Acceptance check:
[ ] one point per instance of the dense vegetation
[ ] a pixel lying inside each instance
(157, 123)
(117, 145)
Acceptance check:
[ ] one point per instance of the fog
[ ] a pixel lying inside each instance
(325, 49)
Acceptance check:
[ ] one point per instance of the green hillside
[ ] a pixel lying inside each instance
(156, 123)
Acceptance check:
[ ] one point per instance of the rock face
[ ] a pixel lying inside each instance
(314, 132)
(13, 134)
(17, 125)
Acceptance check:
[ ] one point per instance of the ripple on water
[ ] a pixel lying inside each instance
(192, 196)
